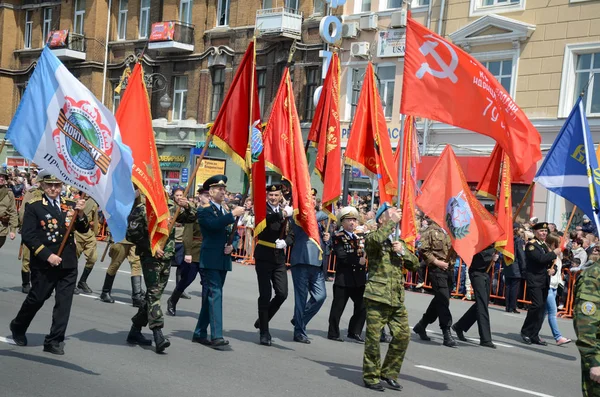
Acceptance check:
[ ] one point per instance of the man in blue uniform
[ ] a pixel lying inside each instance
(216, 225)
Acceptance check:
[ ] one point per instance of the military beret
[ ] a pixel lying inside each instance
(276, 187)
(347, 213)
(216, 180)
(384, 207)
(540, 226)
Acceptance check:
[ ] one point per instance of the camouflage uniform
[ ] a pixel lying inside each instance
(384, 299)
(156, 271)
(586, 320)
(31, 194)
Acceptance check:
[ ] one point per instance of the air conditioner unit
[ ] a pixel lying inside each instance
(350, 30)
(368, 22)
(399, 19)
(360, 49)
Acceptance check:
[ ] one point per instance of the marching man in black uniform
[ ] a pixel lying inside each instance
(540, 266)
(350, 278)
(45, 223)
(269, 255)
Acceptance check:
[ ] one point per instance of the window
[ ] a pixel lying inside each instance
(420, 3)
(180, 98)
(218, 86)
(394, 4)
(484, 7)
(185, 11)
(267, 4)
(28, 28)
(387, 79)
(223, 13)
(79, 16)
(319, 7)
(261, 77)
(358, 75)
(362, 6)
(116, 100)
(122, 23)
(502, 71)
(47, 25)
(313, 76)
(291, 4)
(144, 18)
(491, 3)
(587, 73)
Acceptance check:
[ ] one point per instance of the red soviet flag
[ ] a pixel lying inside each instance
(448, 201)
(444, 83)
(504, 214)
(488, 186)
(409, 224)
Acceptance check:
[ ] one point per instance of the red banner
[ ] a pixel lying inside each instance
(162, 31)
(409, 224)
(488, 185)
(504, 214)
(57, 38)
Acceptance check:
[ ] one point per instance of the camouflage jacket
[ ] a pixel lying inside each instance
(586, 316)
(137, 233)
(436, 244)
(385, 281)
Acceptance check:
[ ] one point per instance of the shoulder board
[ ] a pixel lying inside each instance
(35, 199)
(206, 206)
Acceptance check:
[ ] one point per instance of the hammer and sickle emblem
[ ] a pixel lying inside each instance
(447, 70)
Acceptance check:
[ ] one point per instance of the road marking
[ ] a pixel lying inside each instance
(487, 382)
(126, 272)
(98, 298)
(470, 339)
(7, 340)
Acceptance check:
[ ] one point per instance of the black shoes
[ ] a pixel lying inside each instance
(488, 344)
(356, 337)
(54, 349)
(76, 291)
(516, 311)
(302, 339)
(526, 339)
(419, 329)
(202, 341)
(538, 341)
(448, 339)
(171, 308)
(459, 333)
(257, 324)
(335, 338)
(82, 286)
(374, 386)
(106, 288)
(19, 339)
(135, 337)
(219, 342)
(105, 297)
(160, 342)
(392, 383)
(265, 339)
(25, 282)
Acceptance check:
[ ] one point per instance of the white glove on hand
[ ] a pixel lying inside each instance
(280, 244)
(288, 211)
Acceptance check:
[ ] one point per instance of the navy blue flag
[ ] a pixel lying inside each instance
(570, 168)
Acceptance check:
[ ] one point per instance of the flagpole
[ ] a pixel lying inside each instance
(570, 219)
(105, 65)
(522, 203)
(590, 171)
(69, 229)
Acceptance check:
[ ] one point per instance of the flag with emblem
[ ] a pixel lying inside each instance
(369, 148)
(447, 199)
(60, 126)
(438, 73)
(488, 186)
(284, 154)
(135, 121)
(504, 213)
(410, 160)
(570, 168)
(325, 135)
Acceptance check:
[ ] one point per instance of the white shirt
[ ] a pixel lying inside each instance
(55, 203)
(218, 206)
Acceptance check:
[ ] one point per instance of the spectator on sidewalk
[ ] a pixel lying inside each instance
(553, 241)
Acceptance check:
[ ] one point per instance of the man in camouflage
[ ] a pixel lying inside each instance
(33, 193)
(384, 299)
(586, 321)
(9, 220)
(87, 244)
(156, 269)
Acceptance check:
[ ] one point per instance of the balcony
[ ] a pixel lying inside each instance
(171, 36)
(66, 45)
(277, 23)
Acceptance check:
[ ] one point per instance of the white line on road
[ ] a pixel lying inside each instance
(97, 297)
(126, 272)
(472, 339)
(7, 340)
(488, 382)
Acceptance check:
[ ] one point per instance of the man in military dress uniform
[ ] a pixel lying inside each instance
(384, 300)
(192, 242)
(33, 193)
(87, 244)
(436, 248)
(586, 321)
(9, 220)
(269, 256)
(45, 223)
(540, 266)
(350, 277)
(216, 224)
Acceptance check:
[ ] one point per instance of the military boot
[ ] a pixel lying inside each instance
(263, 320)
(137, 294)
(172, 303)
(448, 339)
(26, 282)
(420, 330)
(160, 342)
(106, 288)
(82, 284)
(136, 337)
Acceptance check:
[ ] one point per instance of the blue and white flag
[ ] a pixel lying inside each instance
(63, 128)
(570, 168)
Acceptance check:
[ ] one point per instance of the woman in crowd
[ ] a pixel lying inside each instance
(555, 272)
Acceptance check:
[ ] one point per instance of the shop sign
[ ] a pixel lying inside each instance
(172, 159)
(208, 168)
(391, 43)
(184, 175)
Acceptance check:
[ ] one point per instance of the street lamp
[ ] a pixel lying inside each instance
(157, 82)
(165, 101)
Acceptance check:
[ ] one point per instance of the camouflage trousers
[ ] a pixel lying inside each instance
(156, 276)
(378, 315)
(589, 388)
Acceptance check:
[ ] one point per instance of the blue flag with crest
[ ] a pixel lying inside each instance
(570, 168)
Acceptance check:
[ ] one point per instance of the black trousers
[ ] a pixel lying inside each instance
(439, 307)
(421, 272)
(2, 241)
(535, 315)
(43, 283)
(511, 293)
(359, 316)
(480, 281)
(271, 277)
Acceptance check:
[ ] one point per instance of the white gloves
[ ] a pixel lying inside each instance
(288, 211)
(280, 244)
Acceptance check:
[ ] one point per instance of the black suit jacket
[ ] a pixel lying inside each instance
(348, 270)
(43, 230)
(539, 260)
(275, 223)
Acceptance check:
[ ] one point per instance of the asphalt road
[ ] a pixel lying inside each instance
(98, 362)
